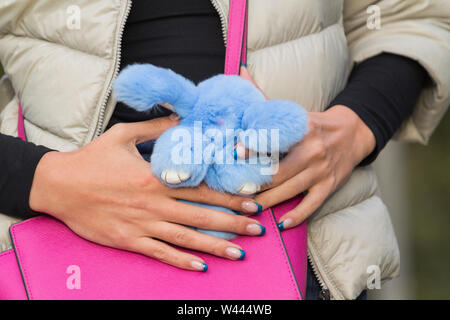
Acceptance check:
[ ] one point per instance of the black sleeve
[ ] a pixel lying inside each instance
(18, 161)
(383, 91)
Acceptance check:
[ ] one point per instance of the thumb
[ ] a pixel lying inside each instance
(143, 131)
(246, 75)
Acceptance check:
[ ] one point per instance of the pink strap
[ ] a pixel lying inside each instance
(20, 126)
(236, 37)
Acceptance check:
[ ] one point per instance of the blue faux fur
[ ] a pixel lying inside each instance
(216, 114)
(215, 105)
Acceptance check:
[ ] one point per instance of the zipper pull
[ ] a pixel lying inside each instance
(324, 294)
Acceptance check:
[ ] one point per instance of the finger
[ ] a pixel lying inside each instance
(204, 218)
(287, 190)
(143, 131)
(204, 194)
(246, 75)
(194, 240)
(169, 255)
(310, 203)
(293, 163)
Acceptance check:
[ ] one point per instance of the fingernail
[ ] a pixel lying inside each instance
(256, 229)
(174, 116)
(285, 224)
(243, 64)
(200, 266)
(239, 151)
(235, 253)
(251, 206)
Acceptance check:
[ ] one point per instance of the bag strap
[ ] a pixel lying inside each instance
(236, 51)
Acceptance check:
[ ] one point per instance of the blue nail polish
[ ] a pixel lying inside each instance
(242, 255)
(259, 207)
(263, 230)
(243, 64)
(205, 267)
(281, 225)
(235, 154)
(238, 213)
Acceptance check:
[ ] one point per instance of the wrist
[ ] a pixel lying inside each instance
(40, 192)
(364, 141)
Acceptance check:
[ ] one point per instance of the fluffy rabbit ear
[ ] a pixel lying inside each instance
(277, 124)
(141, 86)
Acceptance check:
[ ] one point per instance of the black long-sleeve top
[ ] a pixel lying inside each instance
(186, 36)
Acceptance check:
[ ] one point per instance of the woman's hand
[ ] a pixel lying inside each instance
(337, 141)
(106, 193)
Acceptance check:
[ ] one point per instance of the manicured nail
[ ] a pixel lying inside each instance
(174, 116)
(235, 253)
(256, 229)
(239, 151)
(200, 266)
(243, 64)
(251, 206)
(285, 224)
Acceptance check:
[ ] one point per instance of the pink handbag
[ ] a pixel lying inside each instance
(49, 261)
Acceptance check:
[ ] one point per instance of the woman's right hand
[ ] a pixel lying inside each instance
(106, 193)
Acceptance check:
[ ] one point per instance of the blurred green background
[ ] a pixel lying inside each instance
(415, 183)
(429, 195)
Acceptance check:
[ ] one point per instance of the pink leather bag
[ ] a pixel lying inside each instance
(49, 261)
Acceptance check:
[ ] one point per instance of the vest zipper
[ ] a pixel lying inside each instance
(101, 118)
(223, 18)
(324, 293)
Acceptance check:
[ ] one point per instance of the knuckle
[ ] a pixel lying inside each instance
(158, 124)
(238, 225)
(120, 238)
(217, 248)
(312, 126)
(319, 150)
(181, 237)
(159, 254)
(232, 201)
(119, 129)
(201, 219)
(316, 201)
(203, 192)
(325, 170)
(144, 180)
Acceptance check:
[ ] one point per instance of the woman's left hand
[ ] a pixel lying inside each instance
(337, 141)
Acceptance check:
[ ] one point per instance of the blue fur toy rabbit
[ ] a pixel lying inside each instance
(216, 114)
